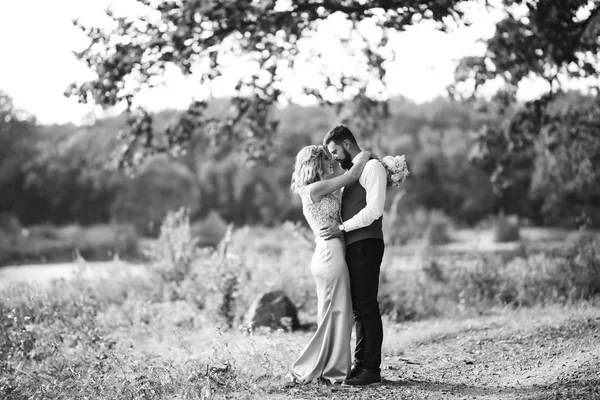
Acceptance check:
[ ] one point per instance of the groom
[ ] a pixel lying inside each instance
(362, 212)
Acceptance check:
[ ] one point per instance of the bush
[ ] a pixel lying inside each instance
(9, 224)
(506, 229)
(581, 236)
(552, 277)
(445, 285)
(106, 241)
(210, 231)
(437, 234)
(176, 248)
(402, 227)
(582, 271)
(207, 278)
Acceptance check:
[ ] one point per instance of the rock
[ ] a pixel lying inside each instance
(274, 310)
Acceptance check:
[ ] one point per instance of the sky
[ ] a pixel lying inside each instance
(37, 39)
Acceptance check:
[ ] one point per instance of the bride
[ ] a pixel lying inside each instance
(327, 356)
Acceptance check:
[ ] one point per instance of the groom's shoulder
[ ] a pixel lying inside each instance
(373, 167)
(375, 163)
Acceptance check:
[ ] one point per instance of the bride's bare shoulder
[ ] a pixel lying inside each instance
(305, 193)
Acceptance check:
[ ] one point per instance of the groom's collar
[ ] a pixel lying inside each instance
(356, 156)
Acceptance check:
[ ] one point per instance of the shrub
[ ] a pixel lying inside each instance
(554, 277)
(208, 278)
(403, 227)
(9, 224)
(582, 271)
(437, 234)
(176, 248)
(506, 229)
(106, 241)
(445, 285)
(210, 231)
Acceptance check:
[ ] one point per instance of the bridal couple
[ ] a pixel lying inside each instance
(346, 262)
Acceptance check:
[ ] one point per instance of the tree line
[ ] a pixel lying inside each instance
(63, 174)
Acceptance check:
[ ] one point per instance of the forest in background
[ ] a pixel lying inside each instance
(61, 174)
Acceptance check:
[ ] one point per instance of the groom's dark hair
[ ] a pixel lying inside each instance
(338, 134)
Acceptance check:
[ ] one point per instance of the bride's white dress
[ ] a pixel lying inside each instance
(328, 354)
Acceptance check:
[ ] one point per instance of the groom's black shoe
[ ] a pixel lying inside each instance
(364, 377)
(354, 371)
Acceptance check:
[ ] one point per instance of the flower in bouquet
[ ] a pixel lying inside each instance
(396, 170)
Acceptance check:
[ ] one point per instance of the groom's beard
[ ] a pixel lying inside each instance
(346, 163)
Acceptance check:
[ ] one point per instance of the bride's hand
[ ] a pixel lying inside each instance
(331, 231)
(363, 156)
(359, 164)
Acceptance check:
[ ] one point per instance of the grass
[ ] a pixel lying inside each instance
(99, 341)
(441, 284)
(179, 331)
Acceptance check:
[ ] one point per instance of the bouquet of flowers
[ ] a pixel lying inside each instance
(396, 170)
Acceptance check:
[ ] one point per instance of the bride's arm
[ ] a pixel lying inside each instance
(321, 188)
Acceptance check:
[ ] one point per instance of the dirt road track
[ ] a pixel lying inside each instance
(524, 354)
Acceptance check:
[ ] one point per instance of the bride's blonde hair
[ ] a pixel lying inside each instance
(308, 167)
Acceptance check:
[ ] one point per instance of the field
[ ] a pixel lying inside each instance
(460, 322)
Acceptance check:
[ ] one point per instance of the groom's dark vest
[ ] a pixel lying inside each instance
(354, 199)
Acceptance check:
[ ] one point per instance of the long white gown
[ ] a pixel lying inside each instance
(328, 353)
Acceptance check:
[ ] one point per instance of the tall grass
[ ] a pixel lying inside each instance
(455, 285)
(179, 331)
(83, 339)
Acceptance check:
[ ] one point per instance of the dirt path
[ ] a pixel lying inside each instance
(529, 354)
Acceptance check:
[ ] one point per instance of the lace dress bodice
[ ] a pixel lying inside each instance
(319, 214)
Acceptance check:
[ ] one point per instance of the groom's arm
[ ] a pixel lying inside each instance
(373, 179)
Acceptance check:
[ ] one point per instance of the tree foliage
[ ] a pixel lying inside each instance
(273, 37)
(551, 39)
(566, 177)
(556, 41)
(17, 146)
(54, 173)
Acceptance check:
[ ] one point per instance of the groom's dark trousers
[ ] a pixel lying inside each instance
(364, 262)
(364, 251)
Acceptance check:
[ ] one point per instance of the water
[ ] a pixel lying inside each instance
(41, 274)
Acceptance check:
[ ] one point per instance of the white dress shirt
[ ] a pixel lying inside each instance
(373, 179)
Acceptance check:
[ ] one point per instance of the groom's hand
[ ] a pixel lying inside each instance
(331, 231)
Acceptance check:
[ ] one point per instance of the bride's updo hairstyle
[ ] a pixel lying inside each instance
(308, 167)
